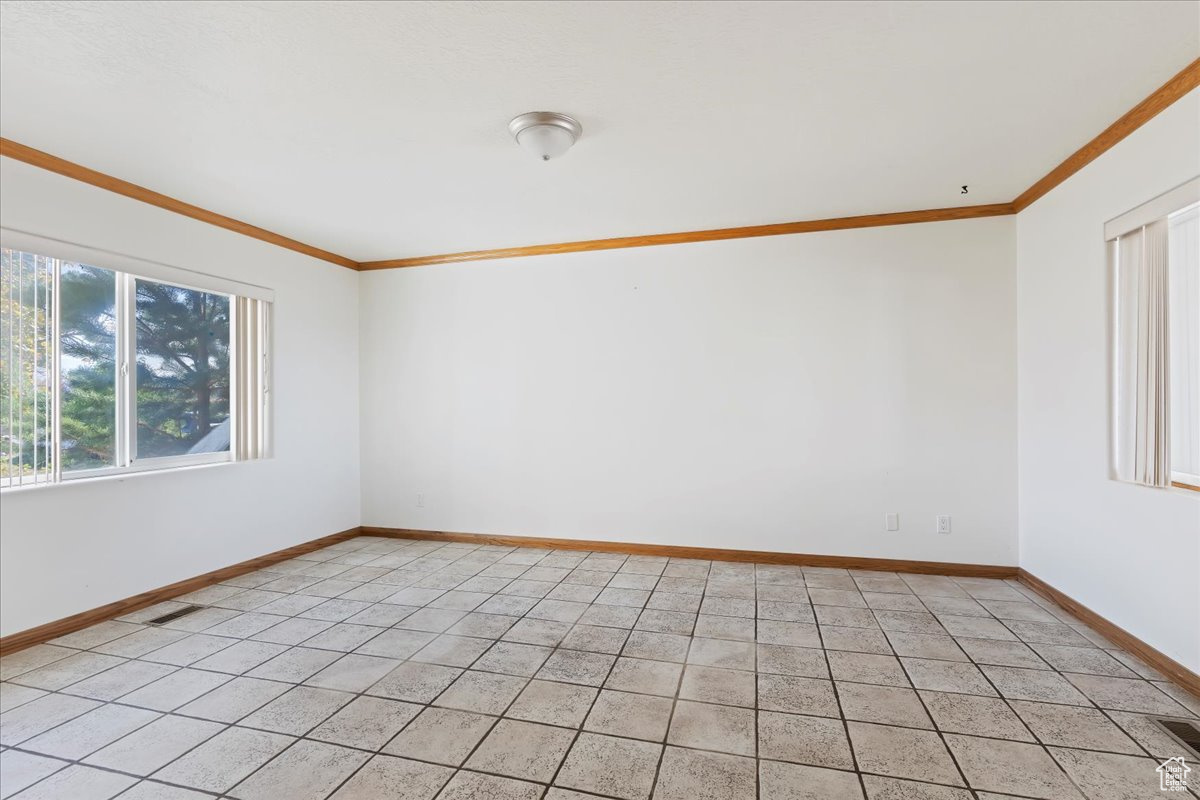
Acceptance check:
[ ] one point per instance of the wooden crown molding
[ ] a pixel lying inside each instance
(20, 152)
(1171, 91)
(1185, 81)
(716, 234)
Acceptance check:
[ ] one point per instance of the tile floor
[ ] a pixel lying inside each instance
(383, 668)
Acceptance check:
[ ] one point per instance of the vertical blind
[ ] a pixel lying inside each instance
(1141, 388)
(29, 372)
(1156, 340)
(252, 325)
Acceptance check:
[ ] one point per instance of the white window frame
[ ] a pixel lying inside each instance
(128, 271)
(1179, 200)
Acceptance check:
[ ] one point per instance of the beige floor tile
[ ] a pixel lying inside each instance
(596, 639)
(477, 786)
(18, 770)
(721, 653)
(442, 735)
(577, 666)
(816, 741)
(947, 676)
(887, 705)
(800, 634)
(866, 668)
(481, 692)
(154, 746)
(694, 775)
(1038, 685)
(297, 711)
(1001, 653)
(797, 695)
(366, 722)
(804, 661)
(644, 676)
(780, 781)
(637, 716)
(902, 753)
(920, 645)
(1107, 776)
(704, 726)
(1121, 694)
(305, 771)
(176, 689)
(353, 672)
(657, 646)
(1087, 660)
(1016, 768)
(716, 685)
(606, 765)
(395, 779)
(524, 750)
(89, 732)
(553, 703)
(79, 783)
(882, 788)
(972, 714)
(224, 760)
(858, 640)
(120, 680)
(1072, 726)
(415, 683)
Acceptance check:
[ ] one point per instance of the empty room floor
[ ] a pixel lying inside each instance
(389, 668)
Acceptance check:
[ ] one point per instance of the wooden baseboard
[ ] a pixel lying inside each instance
(52, 630)
(1115, 634)
(1119, 636)
(706, 553)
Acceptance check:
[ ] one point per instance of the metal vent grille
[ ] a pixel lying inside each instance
(1182, 731)
(174, 615)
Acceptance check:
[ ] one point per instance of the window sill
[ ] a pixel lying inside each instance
(122, 476)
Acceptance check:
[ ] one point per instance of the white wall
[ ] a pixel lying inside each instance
(66, 549)
(1130, 553)
(779, 394)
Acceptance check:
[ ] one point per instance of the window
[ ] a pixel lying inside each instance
(1184, 315)
(112, 365)
(1155, 256)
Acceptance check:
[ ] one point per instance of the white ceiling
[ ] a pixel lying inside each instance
(378, 130)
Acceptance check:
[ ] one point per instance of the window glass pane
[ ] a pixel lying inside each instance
(88, 331)
(182, 371)
(26, 382)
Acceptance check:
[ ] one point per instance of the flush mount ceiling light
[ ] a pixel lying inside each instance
(546, 134)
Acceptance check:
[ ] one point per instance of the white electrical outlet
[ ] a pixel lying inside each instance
(892, 521)
(943, 523)
(420, 501)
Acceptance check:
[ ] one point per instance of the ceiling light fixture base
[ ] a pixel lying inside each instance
(546, 134)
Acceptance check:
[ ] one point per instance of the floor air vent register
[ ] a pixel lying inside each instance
(174, 615)
(1182, 731)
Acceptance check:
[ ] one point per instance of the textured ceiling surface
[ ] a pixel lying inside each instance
(378, 130)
